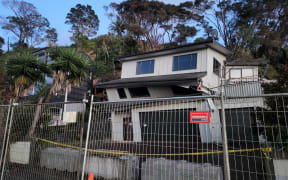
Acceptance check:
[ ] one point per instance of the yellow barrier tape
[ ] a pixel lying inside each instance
(264, 150)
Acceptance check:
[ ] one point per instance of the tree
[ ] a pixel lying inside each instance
(152, 21)
(247, 24)
(25, 71)
(108, 49)
(26, 24)
(184, 32)
(1, 44)
(84, 21)
(117, 27)
(51, 36)
(69, 67)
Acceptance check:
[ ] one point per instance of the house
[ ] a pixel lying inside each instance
(66, 113)
(244, 70)
(185, 70)
(189, 70)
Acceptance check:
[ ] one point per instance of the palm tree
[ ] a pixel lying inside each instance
(69, 68)
(25, 70)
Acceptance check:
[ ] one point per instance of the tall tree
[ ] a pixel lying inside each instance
(83, 20)
(51, 36)
(1, 44)
(69, 65)
(25, 70)
(27, 24)
(152, 21)
(247, 24)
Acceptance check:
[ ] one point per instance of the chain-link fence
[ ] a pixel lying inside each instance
(166, 138)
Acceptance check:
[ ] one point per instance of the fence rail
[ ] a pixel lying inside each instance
(166, 138)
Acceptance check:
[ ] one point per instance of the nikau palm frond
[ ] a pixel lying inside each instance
(68, 65)
(25, 70)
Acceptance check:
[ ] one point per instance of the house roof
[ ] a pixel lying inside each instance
(37, 51)
(164, 80)
(247, 62)
(180, 49)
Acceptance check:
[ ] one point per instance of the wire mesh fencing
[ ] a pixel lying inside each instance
(4, 116)
(43, 141)
(181, 138)
(157, 139)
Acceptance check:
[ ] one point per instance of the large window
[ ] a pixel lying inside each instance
(121, 93)
(216, 66)
(145, 67)
(185, 62)
(139, 92)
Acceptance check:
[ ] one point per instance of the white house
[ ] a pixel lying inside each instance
(185, 70)
(189, 70)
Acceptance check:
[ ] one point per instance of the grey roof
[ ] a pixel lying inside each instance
(40, 50)
(164, 80)
(247, 62)
(180, 49)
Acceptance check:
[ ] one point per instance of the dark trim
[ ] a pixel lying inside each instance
(164, 80)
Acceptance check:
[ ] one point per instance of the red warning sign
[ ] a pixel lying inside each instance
(199, 117)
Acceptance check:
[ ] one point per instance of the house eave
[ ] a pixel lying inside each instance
(180, 49)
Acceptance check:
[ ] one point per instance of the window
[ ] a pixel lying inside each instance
(139, 92)
(121, 93)
(235, 73)
(247, 72)
(241, 73)
(185, 62)
(216, 67)
(145, 67)
(181, 91)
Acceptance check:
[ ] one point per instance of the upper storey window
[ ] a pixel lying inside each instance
(145, 67)
(216, 66)
(185, 62)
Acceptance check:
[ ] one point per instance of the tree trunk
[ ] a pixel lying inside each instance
(47, 100)
(36, 117)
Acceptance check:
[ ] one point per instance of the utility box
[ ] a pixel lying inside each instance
(20, 152)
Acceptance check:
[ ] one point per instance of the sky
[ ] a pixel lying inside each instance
(56, 10)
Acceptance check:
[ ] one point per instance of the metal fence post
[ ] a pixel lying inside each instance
(5, 134)
(224, 132)
(87, 138)
(8, 136)
(81, 134)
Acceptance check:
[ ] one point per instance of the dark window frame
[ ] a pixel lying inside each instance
(120, 93)
(216, 67)
(133, 92)
(140, 65)
(177, 66)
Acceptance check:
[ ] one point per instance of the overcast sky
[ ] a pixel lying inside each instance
(56, 10)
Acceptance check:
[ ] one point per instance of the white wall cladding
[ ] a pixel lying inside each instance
(163, 65)
(211, 80)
